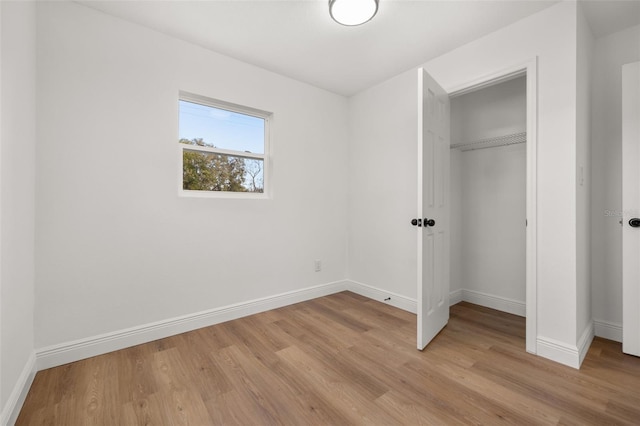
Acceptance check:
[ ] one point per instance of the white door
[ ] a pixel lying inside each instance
(433, 208)
(631, 208)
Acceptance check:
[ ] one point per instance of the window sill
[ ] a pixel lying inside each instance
(223, 194)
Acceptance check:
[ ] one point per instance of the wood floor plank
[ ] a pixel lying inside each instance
(356, 406)
(136, 377)
(180, 400)
(205, 375)
(340, 360)
(410, 413)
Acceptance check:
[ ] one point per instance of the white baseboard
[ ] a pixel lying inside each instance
(12, 408)
(569, 355)
(608, 330)
(84, 348)
(455, 297)
(384, 296)
(584, 343)
(558, 352)
(64, 353)
(499, 303)
(394, 299)
(411, 305)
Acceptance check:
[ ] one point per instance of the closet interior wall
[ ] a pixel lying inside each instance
(488, 198)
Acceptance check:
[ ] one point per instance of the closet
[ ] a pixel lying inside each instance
(488, 196)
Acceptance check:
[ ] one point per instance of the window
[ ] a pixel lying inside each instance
(223, 148)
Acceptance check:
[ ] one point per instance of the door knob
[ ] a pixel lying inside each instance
(429, 222)
(416, 222)
(635, 222)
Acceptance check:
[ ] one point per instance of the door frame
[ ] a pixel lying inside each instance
(529, 69)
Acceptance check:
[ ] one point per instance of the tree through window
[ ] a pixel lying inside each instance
(223, 146)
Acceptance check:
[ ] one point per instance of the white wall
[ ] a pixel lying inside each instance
(488, 233)
(491, 112)
(17, 175)
(383, 184)
(115, 245)
(456, 215)
(585, 43)
(610, 53)
(380, 135)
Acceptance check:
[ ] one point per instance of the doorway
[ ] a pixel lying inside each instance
(488, 196)
(426, 278)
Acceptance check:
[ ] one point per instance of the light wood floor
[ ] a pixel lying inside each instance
(341, 359)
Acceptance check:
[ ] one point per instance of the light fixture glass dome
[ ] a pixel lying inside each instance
(352, 12)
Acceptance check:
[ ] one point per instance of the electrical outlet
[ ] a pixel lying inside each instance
(318, 265)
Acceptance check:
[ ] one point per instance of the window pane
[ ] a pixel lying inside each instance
(215, 127)
(203, 171)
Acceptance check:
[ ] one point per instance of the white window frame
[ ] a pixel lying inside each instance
(265, 157)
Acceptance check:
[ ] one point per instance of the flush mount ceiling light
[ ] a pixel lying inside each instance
(352, 12)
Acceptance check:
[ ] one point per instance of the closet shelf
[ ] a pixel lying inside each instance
(513, 139)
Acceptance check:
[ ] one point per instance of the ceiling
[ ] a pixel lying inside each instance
(608, 16)
(298, 39)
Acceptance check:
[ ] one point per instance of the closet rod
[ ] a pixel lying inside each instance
(513, 139)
